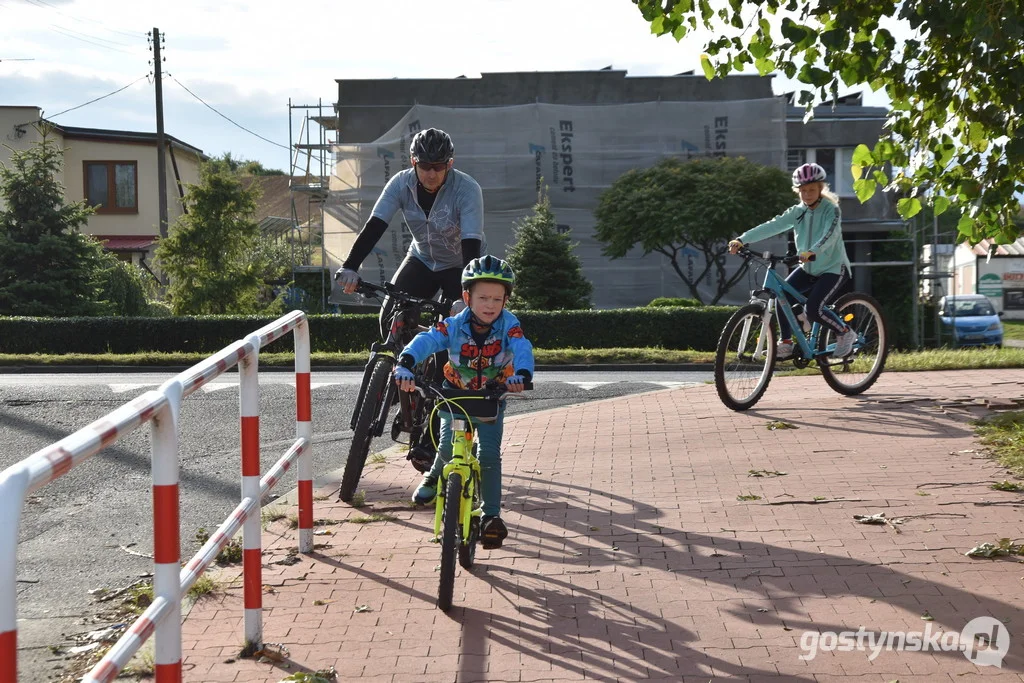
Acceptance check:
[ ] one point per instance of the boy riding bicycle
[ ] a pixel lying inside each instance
(485, 342)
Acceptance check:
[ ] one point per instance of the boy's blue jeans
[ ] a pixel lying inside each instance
(488, 435)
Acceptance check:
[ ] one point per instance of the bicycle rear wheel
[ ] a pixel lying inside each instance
(858, 371)
(745, 357)
(373, 399)
(449, 540)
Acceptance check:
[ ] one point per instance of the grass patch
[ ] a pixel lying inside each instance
(358, 499)
(204, 585)
(375, 517)
(377, 459)
(1013, 329)
(229, 554)
(1003, 434)
(269, 515)
(139, 598)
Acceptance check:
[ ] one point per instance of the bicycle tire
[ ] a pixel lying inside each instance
(743, 364)
(373, 397)
(856, 373)
(449, 540)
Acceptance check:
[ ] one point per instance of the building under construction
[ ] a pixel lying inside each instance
(571, 134)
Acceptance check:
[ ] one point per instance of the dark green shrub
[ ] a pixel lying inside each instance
(671, 328)
(670, 301)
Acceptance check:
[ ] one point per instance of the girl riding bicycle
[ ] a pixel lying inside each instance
(825, 268)
(485, 342)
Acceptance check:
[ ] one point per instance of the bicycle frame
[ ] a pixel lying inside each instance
(780, 292)
(465, 462)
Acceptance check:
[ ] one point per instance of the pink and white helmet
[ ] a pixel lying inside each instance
(808, 173)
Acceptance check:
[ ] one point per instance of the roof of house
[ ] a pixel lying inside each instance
(123, 136)
(275, 201)
(986, 246)
(125, 242)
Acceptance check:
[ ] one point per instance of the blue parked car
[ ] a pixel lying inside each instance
(971, 319)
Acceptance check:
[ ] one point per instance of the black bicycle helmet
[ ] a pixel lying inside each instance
(432, 145)
(488, 269)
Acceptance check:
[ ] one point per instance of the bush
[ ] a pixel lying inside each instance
(670, 301)
(670, 328)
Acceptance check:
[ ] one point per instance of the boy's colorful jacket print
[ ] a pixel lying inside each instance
(505, 351)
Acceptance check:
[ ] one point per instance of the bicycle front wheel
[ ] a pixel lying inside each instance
(858, 371)
(449, 540)
(373, 399)
(745, 357)
(467, 546)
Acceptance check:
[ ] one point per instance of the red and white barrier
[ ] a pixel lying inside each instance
(170, 581)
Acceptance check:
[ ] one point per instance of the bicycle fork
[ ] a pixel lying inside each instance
(470, 474)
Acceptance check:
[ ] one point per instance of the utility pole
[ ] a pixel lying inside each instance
(161, 142)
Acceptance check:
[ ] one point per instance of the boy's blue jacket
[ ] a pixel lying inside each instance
(819, 230)
(505, 352)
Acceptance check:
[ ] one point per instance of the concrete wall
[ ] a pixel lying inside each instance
(19, 133)
(368, 108)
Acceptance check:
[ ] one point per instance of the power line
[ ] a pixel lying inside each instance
(43, 4)
(63, 32)
(98, 98)
(89, 35)
(225, 117)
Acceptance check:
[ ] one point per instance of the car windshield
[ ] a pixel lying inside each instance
(965, 308)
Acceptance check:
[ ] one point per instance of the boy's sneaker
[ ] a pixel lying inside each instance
(844, 344)
(426, 492)
(784, 350)
(492, 532)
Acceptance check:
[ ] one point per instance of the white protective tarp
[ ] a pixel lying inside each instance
(577, 152)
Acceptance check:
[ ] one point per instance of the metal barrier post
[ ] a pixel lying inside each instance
(252, 573)
(12, 499)
(167, 534)
(304, 429)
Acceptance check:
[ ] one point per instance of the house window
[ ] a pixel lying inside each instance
(112, 186)
(795, 158)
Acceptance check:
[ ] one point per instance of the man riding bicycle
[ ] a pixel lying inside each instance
(444, 209)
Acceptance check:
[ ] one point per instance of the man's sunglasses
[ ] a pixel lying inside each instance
(435, 167)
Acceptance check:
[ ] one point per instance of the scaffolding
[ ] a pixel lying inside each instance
(308, 183)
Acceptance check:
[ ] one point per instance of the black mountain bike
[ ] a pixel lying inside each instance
(378, 393)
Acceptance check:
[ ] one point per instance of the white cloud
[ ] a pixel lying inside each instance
(247, 59)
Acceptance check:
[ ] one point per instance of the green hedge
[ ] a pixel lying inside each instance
(671, 328)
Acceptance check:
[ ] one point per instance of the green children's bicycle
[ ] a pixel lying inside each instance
(458, 511)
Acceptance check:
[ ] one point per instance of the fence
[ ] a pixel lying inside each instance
(170, 580)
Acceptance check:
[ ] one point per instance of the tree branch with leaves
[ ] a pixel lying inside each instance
(956, 85)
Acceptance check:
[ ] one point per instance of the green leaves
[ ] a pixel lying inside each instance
(954, 85)
(908, 207)
(865, 189)
(707, 66)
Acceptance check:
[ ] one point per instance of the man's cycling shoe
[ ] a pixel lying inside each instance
(492, 532)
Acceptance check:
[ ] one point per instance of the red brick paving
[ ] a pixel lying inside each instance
(630, 557)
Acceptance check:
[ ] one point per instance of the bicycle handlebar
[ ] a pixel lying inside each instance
(788, 260)
(369, 289)
(492, 391)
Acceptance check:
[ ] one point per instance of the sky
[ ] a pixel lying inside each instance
(246, 60)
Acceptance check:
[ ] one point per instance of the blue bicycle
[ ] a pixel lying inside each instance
(745, 359)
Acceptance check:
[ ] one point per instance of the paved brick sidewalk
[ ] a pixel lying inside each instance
(630, 557)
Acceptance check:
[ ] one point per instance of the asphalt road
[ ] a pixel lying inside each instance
(92, 528)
